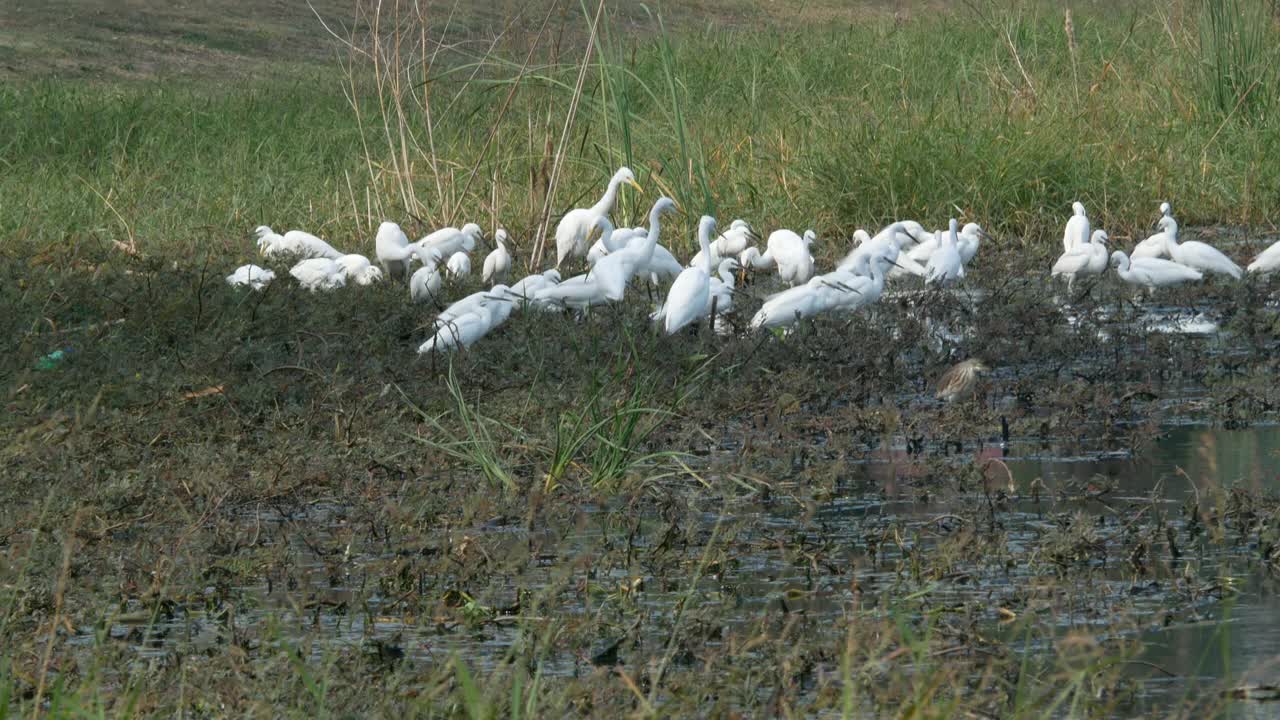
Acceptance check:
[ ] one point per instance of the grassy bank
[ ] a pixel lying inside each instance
(223, 503)
(992, 117)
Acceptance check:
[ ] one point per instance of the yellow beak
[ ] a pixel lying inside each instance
(635, 185)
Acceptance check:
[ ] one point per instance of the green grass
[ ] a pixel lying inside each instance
(835, 127)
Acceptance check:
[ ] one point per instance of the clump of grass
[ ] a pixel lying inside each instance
(476, 445)
(1239, 58)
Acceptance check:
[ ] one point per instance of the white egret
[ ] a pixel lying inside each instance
(578, 293)
(1152, 272)
(469, 304)
(251, 276)
(945, 266)
(662, 265)
(391, 246)
(319, 274)
(690, 296)
(425, 284)
(522, 292)
(575, 227)
(720, 292)
(497, 263)
(611, 239)
(1157, 245)
(794, 304)
(465, 330)
(452, 240)
(1090, 259)
(722, 286)
(358, 269)
(751, 258)
(733, 241)
(294, 243)
(971, 235)
(862, 285)
(886, 242)
(613, 271)
(1198, 255)
(459, 265)
(790, 253)
(1267, 262)
(1076, 233)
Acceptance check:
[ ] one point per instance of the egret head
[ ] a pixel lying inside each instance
(706, 226)
(624, 175)
(553, 275)
(739, 223)
(500, 238)
(263, 230)
(1077, 207)
(861, 236)
(664, 205)
(471, 233)
(1100, 237)
(1167, 224)
(1165, 209)
(974, 230)
(730, 265)
(747, 258)
(1119, 260)
(809, 237)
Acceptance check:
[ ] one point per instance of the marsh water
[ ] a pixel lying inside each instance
(1192, 640)
(1122, 516)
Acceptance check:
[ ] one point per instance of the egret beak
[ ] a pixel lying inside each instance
(635, 185)
(499, 298)
(983, 234)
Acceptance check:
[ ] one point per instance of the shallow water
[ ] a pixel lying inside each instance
(1192, 644)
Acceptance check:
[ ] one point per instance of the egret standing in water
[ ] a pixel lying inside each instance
(1090, 259)
(1157, 245)
(1076, 233)
(690, 295)
(574, 228)
(945, 266)
(1152, 272)
(1198, 255)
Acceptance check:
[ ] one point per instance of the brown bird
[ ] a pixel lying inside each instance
(959, 381)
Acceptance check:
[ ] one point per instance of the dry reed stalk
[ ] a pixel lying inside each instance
(535, 259)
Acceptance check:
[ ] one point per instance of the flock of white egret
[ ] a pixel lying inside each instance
(704, 290)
